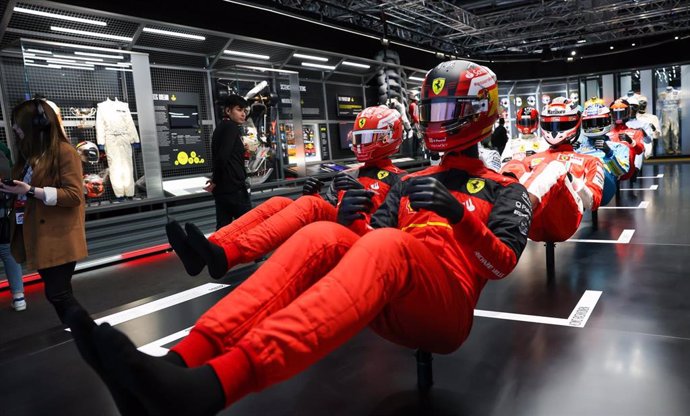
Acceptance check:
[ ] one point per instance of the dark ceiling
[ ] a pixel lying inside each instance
(518, 39)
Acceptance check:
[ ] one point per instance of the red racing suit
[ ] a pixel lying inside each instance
(562, 201)
(267, 226)
(416, 284)
(636, 147)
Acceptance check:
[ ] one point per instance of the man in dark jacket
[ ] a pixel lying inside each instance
(499, 137)
(228, 181)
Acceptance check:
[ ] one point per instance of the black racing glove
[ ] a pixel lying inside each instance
(603, 146)
(343, 182)
(624, 138)
(429, 193)
(354, 204)
(312, 186)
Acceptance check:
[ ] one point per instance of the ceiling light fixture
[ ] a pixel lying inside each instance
(174, 34)
(676, 37)
(573, 53)
(611, 47)
(311, 65)
(87, 33)
(39, 51)
(633, 44)
(570, 58)
(261, 68)
(99, 55)
(312, 57)
(356, 65)
(44, 66)
(119, 69)
(581, 40)
(60, 16)
(246, 54)
(83, 58)
(83, 68)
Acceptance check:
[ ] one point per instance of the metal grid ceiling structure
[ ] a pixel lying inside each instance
(490, 28)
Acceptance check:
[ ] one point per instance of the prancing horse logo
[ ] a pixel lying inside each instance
(437, 85)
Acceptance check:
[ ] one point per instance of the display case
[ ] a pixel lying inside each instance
(312, 143)
(668, 98)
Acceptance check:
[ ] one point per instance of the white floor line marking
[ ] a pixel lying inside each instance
(643, 205)
(624, 238)
(661, 175)
(156, 305)
(651, 188)
(577, 319)
(156, 348)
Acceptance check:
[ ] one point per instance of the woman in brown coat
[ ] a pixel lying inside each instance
(48, 213)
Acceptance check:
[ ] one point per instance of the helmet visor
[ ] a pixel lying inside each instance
(557, 124)
(450, 108)
(364, 137)
(596, 124)
(620, 114)
(525, 121)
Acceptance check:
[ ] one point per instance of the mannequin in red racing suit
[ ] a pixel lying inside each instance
(267, 226)
(564, 183)
(446, 231)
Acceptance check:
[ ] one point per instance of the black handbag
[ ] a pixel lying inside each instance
(5, 202)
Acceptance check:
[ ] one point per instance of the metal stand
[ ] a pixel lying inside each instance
(550, 261)
(425, 377)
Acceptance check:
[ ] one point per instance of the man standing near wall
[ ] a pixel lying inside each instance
(227, 182)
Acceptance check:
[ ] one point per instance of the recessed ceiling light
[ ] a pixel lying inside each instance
(174, 34)
(83, 58)
(355, 64)
(60, 16)
(246, 54)
(118, 69)
(87, 33)
(99, 55)
(582, 41)
(633, 44)
(610, 47)
(312, 57)
(261, 68)
(676, 38)
(573, 53)
(39, 51)
(311, 65)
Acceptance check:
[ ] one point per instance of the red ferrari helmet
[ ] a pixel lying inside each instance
(560, 121)
(459, 105)
(93, 185)
(377, 134)
(620, 111)
(527, 120)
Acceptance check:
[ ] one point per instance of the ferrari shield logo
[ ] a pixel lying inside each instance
(362, 121)
(475, 185)
(382, 174)
(437, 85)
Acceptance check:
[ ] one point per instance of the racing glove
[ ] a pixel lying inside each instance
(429, 193)
(344, 182)
(624, 138)
(354, 204)
(312, 186)
(603, 146)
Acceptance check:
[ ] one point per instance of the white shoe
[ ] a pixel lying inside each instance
(19, 303)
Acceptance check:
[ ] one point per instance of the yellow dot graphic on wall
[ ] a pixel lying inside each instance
(192, 154)
(182, 158)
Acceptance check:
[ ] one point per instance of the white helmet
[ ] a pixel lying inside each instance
(596, 120)
(545, 99)
(560, 121)
(574, 97)
(531, 101)
(505, 102)
(518, 101)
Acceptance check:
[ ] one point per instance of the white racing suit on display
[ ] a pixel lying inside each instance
(116, 131)
(653, 121)
(490, 157)
(616, 163)
(522, 146)
(670, 103)
(646, 128)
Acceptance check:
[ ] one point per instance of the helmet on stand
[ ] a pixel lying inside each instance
(378, 133)
(459, 105)
(620, 111)
(93, 185)
(88, 152)
(560, 121)
(596, 120)
(527, 120)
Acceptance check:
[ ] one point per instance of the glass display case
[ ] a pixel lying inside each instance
(669, 105)
(312, 143)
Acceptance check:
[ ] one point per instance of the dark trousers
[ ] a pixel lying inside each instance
(230, 206)
(58, 287)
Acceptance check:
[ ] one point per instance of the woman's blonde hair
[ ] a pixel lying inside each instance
(40, 144)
